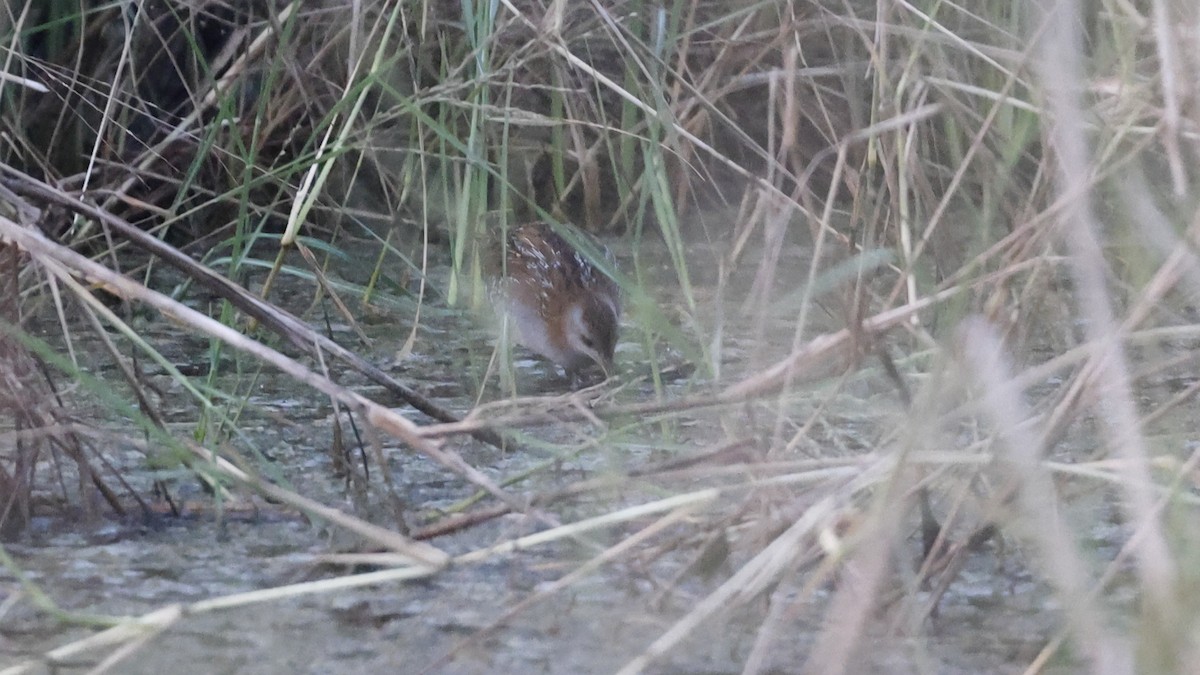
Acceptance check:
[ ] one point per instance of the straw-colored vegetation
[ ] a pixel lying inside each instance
(909, 287)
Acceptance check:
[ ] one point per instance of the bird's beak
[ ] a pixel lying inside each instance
(606, 365)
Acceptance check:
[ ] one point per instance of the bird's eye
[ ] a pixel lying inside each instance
(588, 342)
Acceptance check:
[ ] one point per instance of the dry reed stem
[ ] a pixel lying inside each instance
(282, 322)
(1062, 77)
(1041, 517)
(63, 263)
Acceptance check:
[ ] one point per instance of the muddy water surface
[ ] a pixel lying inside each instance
(994, 618)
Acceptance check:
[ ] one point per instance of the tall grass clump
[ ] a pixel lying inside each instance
(910, 290)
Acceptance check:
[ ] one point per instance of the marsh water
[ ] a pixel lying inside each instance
(995, 616)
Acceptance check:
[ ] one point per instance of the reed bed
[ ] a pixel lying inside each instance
(910, 286)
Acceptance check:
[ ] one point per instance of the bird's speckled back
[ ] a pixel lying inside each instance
(562, 305)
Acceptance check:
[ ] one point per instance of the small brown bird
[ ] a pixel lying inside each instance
(560, 304)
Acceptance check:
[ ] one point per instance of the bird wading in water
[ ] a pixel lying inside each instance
(560, 305)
